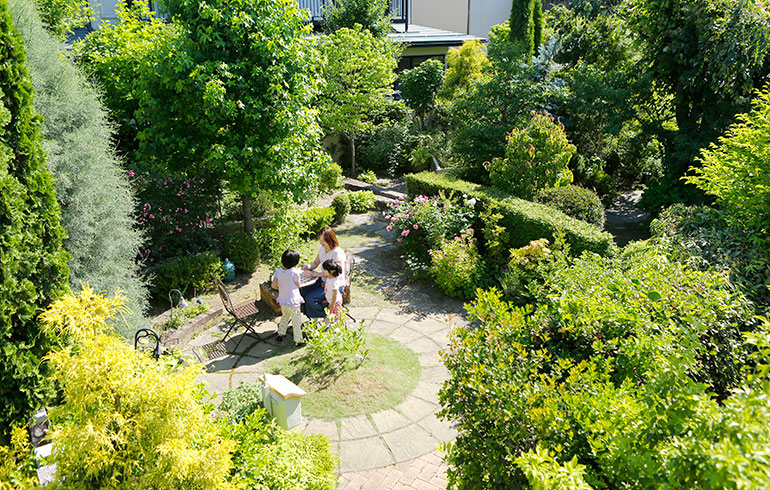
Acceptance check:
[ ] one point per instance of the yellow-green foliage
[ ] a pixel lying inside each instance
(127, 421)
(16, 463)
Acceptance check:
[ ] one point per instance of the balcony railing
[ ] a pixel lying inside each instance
(399, 9)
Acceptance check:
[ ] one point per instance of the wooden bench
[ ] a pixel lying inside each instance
(269, 296)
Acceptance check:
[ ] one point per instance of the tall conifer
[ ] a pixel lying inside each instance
(33, 268)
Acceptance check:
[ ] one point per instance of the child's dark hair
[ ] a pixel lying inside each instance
(332, 267)
(290, 259)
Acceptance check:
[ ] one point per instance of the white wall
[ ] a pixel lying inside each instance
(486, 13)
(450, 15)
(105, 10)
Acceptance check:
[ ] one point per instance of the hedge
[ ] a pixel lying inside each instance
(525, 220)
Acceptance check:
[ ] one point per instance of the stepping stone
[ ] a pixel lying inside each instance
(442, 430)
(435, 374)
(389, 420)
(410, 442)
(357, 427)
(364, 454)
(217, 382)
(380, 327)
(427, 391)
(430, 359)
(416, 409)
(325, 427)
(365, 313)
(423, 345)
(404, 335)
(393, 315)
(428, 325)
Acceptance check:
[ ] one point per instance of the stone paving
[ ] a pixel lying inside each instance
(394, 448)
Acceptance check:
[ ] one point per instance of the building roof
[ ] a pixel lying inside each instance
(416, 35)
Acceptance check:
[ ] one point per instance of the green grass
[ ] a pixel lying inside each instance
(382, 381)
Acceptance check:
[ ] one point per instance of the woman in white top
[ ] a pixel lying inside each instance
(314, 294)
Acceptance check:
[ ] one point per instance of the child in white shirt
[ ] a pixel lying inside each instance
(334, 284)
(286, 280)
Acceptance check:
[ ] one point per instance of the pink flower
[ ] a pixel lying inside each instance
(389, 228)
(458, 260)
(400, 240)
(415, 227)
(463, 236)
(152, 216)
(470, 230)
(395, 220)
(430, 250)
(405, 233)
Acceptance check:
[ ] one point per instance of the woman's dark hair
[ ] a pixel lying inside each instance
(332, 267)
(329, 237)
(290, 259)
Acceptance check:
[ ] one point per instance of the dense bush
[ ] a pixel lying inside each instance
(372, 15)
(422, 222)
(317, 219)
(385, 149)
(456, 266)
(284, 230)
(536, 157)
(419, 87)
(331, 177)
(238, 403)
(574, 201)
(97, 203)
(524, 221)
(61, 17)
(243, 250)
(705, 238)
(616, 370)
(334, 343)
(126, 420)
(464, 68)
(177, 213)
(737, 170)
(526, 271)
(341, 205)
(361, 201)
(270, 457)
(33, 263)
(186, 272)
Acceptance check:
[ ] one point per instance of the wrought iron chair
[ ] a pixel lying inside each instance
(240, 313)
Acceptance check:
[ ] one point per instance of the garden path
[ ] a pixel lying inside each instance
(393, 448)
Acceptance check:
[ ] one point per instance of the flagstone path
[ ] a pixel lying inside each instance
(394, 448)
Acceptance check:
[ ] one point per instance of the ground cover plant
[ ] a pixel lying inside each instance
(387, 374)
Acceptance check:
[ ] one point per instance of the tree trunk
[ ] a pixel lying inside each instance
(248, 222)
(353, 155)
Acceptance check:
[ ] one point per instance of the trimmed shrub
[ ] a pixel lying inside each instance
(97, 203)
(243, 250)
(341, 205)
(536, 157)
(361, 201)
(318, 218)
(524, 220)
(183, 273)
(33, 263)
(574, 201)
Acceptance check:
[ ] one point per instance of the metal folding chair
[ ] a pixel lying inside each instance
(240, 314)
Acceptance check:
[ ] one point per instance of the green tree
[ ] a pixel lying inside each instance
(359, 73)
(465, 66)
(524, 31)
(33, 264)
(420, 85)
(95, 199)
(372, 15)
(234, 95)
(737, 170)
(708, 56)
(62, 16)
(117, 56)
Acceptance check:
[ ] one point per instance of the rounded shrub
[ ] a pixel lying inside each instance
(574, 201)
(331, 177)
(341, 205)
(185, 272)
(243, 250)
(536, 157)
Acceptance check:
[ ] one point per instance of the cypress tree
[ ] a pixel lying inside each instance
(537, 22)
(33, 264)
(96, 201)
(522, 26)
